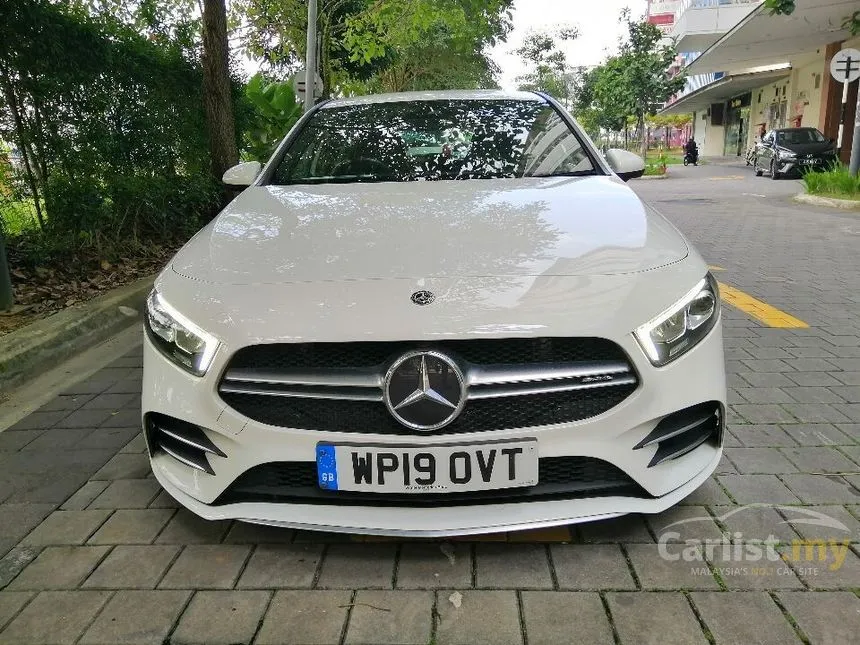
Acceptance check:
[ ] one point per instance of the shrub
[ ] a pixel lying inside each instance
(836, 182)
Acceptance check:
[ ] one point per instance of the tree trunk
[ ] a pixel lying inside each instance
(643, 137)
(217, 95)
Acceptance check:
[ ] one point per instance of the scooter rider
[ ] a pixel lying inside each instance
(691, 150)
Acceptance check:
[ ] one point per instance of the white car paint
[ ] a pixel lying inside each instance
(506, 258)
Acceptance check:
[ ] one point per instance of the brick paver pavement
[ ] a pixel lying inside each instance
(92, 551)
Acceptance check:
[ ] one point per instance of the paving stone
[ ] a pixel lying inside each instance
(764, 413)
(91, 386)
(16, 520)
(139, 526)
(591, 567)
(850, 393)
(164, 500)
(763, 395)
(207, 567)
(555, 616)
(686, 522)
(247, 533)
(813, 379)
(744, 618)
(124, 466)
(814, 413)
(512, 566)
(848, 378)
(137, 444)
(822, 489)
(305, 618)
(137, 618)
(483, 618)
(124, 418)
(14, 440)
(11, 602)
(656, 572)
(127, 385)
(107, 438)
(66, 527)
(14, 562)
(435, 566)
(187, 528)
(820, 460)
(221, 618)
(68, 403)
(849, 410)
(111, 402)
(725, 467)
(358, 566)
(756, 461)
(39, 421)
(654, 619)
(762, 436)
(90, 419)
(56, 617)
(754, 523)
(59, 567)
(826, 617)
(59, 439)
(407, 621)
(837, 522)
(128, 493)
(850, 429)
(278, 566)
(750, 489)
(766, 379)
(742, 568)
(53, 487)
(132, 567)
(813, 395)
(707, 494)
(817, 434)
(84, 496)
(625, 529)
(830, 565)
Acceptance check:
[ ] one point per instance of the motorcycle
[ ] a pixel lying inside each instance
(691, 157)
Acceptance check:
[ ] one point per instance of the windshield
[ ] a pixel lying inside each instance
(801, 136)
(433, 140)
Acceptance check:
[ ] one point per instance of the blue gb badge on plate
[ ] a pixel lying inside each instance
(326, 467)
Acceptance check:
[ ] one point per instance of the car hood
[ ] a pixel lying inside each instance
(478, 228)
(810, 148)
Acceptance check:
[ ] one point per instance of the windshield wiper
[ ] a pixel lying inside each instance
(570, 173)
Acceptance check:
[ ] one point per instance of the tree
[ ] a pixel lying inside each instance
(549, 72)
(643, 67)
(217, 91)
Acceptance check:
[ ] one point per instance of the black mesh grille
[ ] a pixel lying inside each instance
(558, 478)
(480, 415)
(509, 351)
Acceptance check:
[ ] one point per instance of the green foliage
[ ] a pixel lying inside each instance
(276, 111)
(780, 7)
(836, 182)
(548, 71)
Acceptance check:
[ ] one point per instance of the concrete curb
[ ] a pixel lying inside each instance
(27, 352)
(830, 202)
(655, 177)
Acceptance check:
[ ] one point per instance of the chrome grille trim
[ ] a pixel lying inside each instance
(485, 381)
(188, 462)
(205, 446)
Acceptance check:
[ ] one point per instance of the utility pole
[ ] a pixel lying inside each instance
(311, 57)
(854, 165)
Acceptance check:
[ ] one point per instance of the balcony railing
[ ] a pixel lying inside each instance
(683, 5)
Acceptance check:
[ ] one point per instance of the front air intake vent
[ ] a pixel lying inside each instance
(185, 442)
(684, 431)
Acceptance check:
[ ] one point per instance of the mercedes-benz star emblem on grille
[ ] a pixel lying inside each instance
(423, 297)
(425, 390)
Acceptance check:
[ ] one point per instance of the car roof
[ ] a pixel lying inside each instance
(808, 127)
(445, 95)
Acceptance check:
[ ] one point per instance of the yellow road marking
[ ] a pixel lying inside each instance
(726, 177)
(761, 311)
(714, 267)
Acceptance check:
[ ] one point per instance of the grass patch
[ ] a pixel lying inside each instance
(17, 217)
(836, 183)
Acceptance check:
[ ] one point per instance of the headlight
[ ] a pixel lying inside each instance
(178, 338)
(681, 326)
(787, 154)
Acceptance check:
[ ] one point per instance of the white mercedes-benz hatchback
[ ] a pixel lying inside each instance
(434, 314)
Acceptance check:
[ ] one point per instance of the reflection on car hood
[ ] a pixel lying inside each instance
(507, 227)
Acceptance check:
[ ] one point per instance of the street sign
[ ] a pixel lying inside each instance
(845, 66)
(298, 82)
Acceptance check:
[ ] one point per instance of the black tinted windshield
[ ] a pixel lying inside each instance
(799, 136)
(433, 140)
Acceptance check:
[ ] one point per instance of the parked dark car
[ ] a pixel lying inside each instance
(793, 151)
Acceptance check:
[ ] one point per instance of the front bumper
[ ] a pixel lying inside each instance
(696, 377)
(797, 167)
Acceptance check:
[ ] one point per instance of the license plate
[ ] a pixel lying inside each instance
(809, 162)
(427, 469)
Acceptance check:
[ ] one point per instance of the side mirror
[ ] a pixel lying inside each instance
(625, 164)
(242, 174)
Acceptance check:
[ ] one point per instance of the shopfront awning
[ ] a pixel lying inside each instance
(723, 89)
(761, 40)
